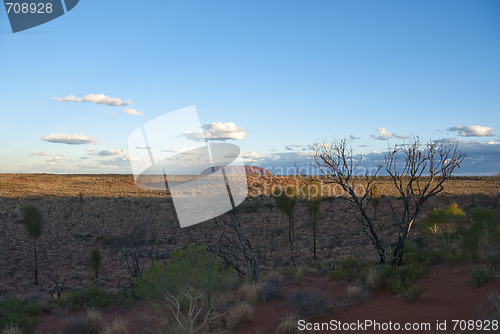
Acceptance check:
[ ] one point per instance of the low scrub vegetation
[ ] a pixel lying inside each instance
(450, 236)
(349, 268)
(19, 314)
(90, 297)
(403, 281)
(481, 275)
(194, 267)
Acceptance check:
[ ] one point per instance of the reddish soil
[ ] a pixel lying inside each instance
(449, 295)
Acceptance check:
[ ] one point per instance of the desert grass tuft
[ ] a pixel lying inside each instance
(94, 320)
(239, 314)
(11, 329)
(289, 325)
(357, 292)
(252, 292)
(118, 326)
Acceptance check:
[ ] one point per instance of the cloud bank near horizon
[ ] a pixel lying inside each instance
(94, 98)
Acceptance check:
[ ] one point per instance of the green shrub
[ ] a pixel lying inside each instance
(444, 220)
(411, 292)
(316, 265)
(403, 281)
(481, 275)
(482, 239)
(443, 227)
(20, 314)
(193, 267)
(90, 297)
(347, 269)
(413, 254)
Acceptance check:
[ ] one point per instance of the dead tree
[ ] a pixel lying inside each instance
(418, 172)
(337, 162)
(233, 246)
(139, 244)
(56, 277)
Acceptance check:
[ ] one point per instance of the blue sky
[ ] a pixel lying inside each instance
(286, 74)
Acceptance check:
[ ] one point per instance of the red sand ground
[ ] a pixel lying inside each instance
(449, 295)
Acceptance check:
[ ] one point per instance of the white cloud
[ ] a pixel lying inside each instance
(292, 147)
(218, 131)
(112, 151)
(383, 134)
(251, 155)
(131, 111)
(473, 131)
(352, 137)
(73, 139)
(69, 98)
(41, 154)
(95, 98)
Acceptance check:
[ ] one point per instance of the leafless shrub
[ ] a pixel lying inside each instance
(234, 247)
(141, 243)
(195, 318)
